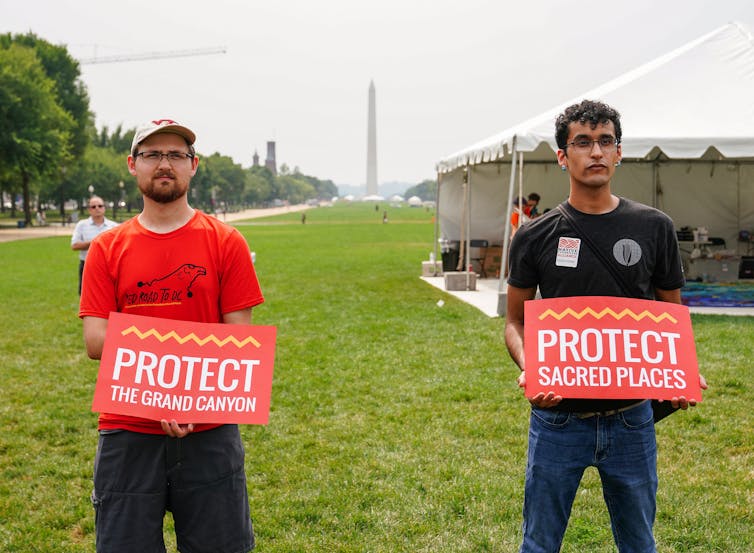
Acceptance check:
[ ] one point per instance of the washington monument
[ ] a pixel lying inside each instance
(372, 144)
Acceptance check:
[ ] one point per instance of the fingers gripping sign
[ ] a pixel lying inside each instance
(175, 430)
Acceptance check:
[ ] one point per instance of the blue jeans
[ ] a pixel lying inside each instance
(623, 449)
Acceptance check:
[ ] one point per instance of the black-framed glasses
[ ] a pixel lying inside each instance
(96, 206)
(154, 157)
(606, 143)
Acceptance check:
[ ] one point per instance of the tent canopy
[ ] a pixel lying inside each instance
(695, 101)
(688, 146)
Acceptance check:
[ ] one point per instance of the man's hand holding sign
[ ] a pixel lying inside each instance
(609, 348)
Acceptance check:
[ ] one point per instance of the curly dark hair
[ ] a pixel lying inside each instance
(588, 111)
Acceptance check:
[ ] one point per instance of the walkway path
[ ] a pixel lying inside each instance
(487, 298)
(11, 234)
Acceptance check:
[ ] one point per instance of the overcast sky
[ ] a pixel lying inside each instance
(447, 72)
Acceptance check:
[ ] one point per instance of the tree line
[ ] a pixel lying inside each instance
(51, 152)
(426, 190)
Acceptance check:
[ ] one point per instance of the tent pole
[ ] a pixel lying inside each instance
(520, 190)
(464, 217)
(437, 219)
(508, 212)
(738, 197)
(467, 265)
(655, 184)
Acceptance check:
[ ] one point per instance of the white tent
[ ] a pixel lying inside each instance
(688, 147)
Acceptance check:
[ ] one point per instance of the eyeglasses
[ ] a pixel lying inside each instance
(606, 143)
(96, 206)
(154, 158)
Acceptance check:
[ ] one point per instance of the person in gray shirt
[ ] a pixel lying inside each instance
(88, 228)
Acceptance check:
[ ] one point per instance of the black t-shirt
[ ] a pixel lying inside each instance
(638, 240)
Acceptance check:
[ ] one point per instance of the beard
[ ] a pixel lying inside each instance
(164, 193)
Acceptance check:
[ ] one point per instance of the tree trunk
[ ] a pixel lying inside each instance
(62, 204)
(27, 197)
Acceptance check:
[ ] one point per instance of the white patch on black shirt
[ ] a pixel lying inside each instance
(627, 252)
(568, 252)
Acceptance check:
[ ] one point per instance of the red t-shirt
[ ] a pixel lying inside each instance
(195, 273)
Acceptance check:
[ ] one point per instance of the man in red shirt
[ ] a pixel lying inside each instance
(175, 262)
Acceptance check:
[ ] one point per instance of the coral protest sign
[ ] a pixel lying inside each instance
(610, 348)
(191, 372)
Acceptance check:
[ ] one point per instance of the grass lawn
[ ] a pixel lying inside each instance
(396, 425)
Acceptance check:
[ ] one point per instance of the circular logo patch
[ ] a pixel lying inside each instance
(627, 252)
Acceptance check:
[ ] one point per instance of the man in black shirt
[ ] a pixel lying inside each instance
(568, 435)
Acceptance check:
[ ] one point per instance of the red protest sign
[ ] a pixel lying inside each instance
(191, 372)
(610, 348)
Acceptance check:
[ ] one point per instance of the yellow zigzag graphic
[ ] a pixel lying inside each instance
(182, 340)
(607, 311)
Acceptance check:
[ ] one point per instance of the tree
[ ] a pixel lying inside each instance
(426, 190)
(103, 169)
(258, 189)
(118, 140)
(231, 179)
(323, 189)
(219, 180)
(263, 184)
(10, 184)
(69, 90)
(71, 95)
(36, 140)
(294, 189)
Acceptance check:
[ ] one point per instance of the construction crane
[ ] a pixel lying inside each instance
(154, 55)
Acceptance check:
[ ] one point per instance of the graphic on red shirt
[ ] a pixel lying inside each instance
(172, 288)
